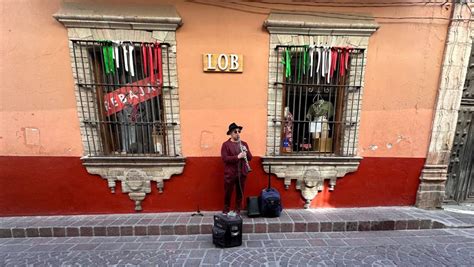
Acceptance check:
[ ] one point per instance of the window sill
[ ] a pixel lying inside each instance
(312, 160)
(310, 172)
(132, 161)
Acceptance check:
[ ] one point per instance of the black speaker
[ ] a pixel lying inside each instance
(253, 209)
(227, 231)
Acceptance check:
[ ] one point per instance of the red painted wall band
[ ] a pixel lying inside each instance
(61, 185)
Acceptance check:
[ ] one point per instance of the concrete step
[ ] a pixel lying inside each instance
(183, 223)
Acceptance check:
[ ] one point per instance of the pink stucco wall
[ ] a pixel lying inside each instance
(37, 92)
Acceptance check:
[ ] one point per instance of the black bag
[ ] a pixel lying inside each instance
(253, 209)
(227, 231)
(270, 200)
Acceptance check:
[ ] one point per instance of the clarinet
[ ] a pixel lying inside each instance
(244, 149)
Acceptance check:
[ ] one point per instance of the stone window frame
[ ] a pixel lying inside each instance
(311, 171)
(351, 103)
(157, 23)
(88, 108)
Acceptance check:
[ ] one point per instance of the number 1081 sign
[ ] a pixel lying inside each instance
(223, 62)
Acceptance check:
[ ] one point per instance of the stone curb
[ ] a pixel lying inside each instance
(183, 223)
(205, 228)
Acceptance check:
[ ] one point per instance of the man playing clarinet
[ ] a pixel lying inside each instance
(236, 156)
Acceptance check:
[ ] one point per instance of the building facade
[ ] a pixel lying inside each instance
(119, 107)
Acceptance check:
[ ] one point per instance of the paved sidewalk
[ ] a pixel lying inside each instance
(404, 248)
(313, 220)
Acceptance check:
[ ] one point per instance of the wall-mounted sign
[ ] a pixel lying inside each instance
(223, 63)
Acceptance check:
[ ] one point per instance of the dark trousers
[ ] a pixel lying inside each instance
(229, 184)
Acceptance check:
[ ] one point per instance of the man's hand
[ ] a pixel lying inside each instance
(242, 155)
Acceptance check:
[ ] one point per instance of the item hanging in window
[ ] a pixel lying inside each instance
(286, 61)
(150, 64)
(138, 91)
(334, 61)
(125, 57)
(303, 62)
(288, 131)
(108, 55)
(331, 62)
(311, 60)
(116, 45)
(130, 59)
(159, 60)
(318, 51)
(320, 108)
(319, 113)
(144, 58)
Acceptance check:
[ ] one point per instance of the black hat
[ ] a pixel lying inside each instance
(232, 127)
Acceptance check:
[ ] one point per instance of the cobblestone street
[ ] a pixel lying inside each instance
(411, 247)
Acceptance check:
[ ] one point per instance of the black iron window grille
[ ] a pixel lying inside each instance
(121, 89)
(316, 103)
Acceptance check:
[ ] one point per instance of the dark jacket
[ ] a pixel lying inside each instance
(229, 152)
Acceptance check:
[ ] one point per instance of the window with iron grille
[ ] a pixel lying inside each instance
(121, 89)
(320, 102)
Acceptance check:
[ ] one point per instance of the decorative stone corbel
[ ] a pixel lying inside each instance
(135, 173)
(310, 172)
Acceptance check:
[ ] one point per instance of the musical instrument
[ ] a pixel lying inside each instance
(244, 149)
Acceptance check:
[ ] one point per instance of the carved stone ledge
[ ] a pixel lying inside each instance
(107, 16)
(434, 173)
(135, 173)
(310, 172)
(302, 23)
